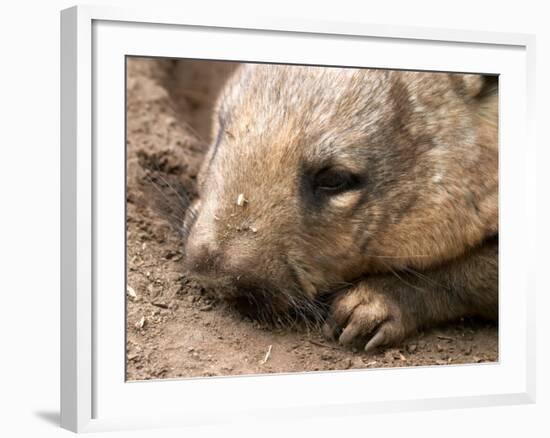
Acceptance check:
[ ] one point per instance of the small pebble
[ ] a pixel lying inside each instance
(141, 323)
(131, 292)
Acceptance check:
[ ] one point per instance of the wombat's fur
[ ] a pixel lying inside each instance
(375, 191)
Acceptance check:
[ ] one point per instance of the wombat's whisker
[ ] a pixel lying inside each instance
(169, 202)
(394, 272)
(188, 221)
(424, 277)
(185, 200)
(173, 219)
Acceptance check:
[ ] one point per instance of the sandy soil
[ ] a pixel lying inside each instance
(174, 329)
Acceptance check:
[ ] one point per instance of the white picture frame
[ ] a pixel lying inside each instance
(94, 394)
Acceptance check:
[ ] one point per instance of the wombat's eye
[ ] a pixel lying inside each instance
(333, 181)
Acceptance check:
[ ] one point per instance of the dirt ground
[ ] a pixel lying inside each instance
(174, 329)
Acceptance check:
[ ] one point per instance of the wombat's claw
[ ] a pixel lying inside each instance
(384, 336)
(365, 316)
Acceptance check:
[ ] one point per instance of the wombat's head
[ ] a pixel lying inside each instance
(319, 176)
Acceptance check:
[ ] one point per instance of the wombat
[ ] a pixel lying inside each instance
(366, 199)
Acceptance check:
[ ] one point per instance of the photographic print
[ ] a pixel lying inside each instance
(294, 218)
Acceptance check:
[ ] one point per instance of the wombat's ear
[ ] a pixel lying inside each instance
(479, 86)
(482, 92)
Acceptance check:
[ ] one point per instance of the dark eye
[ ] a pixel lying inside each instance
(334, 181)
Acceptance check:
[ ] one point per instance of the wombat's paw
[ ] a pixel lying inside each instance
(367, 318)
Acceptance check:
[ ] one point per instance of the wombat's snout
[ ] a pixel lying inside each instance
(233, 278)
(236, 269)
(229, 270)
(202, 258)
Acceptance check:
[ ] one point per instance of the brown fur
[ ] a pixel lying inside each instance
(413, 244)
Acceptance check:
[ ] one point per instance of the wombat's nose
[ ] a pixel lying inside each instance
(203, 258)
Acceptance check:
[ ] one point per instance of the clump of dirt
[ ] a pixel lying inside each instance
(174, 328)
